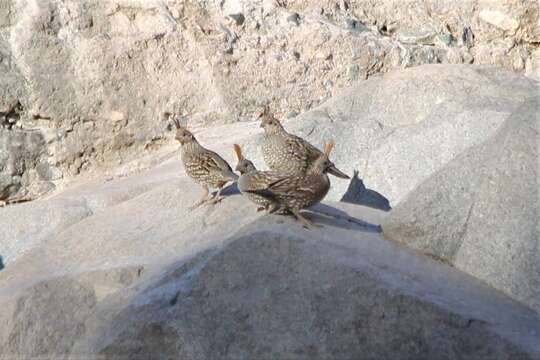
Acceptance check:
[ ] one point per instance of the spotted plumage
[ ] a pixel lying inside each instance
(294, 192)
(252, 179)
(287, 153)
(204, 166)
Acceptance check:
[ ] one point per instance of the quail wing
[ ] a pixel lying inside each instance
(302, 150)
(214, 164)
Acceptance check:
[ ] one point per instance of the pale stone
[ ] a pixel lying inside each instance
(499, 19)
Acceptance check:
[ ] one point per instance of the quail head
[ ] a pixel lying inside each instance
(252, 179)
(204, 166)
(287, 153)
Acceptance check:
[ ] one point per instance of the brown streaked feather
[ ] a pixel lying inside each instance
(261, 180)
(213, 163)
(301, 149)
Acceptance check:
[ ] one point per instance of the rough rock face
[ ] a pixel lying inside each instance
(93, 75)
(20, 154)
(480, 211)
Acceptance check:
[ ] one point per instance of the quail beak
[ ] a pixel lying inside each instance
(336, 172)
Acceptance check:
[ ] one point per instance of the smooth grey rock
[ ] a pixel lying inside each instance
(445, 39)
(480, 211)
(229, 305)
(353, 24)
(238, 18)
(41, 220)
(399, 129)
(139, 274)
(46, 318)
(294, 18)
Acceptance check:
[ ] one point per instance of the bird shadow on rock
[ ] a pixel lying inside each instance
(328, 215)
(231, 189)
(357, 193)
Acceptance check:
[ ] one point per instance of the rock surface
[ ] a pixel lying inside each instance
(117, 266)
(93, 75)
(142, 277)
(122, 266)
(399, 129)
(480, 211)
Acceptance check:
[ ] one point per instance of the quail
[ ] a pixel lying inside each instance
(202, 165)
(296, 191)
(287, 153)
(252, 179)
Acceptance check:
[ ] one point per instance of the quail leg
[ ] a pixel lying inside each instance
(218, 197)
(204, 198)
(277, 209)
(273, 207)
(305, 222)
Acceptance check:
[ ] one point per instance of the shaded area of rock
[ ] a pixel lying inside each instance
(20, 153)
(46, 318)
(230, 305)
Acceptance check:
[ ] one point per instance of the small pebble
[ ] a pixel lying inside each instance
(294, 19)
(238, 18)
(444, 39)
(356, 25)
(467, 58)
(354, 70)
(467, 37)
(291, 114)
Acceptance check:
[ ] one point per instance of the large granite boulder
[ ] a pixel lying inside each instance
(399, 129)
(122, 268)
(480, 211)
(269, 290)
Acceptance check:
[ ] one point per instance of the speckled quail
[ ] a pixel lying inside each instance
(297, 191)
(252, 179)
(202, 165)
(287, 153)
